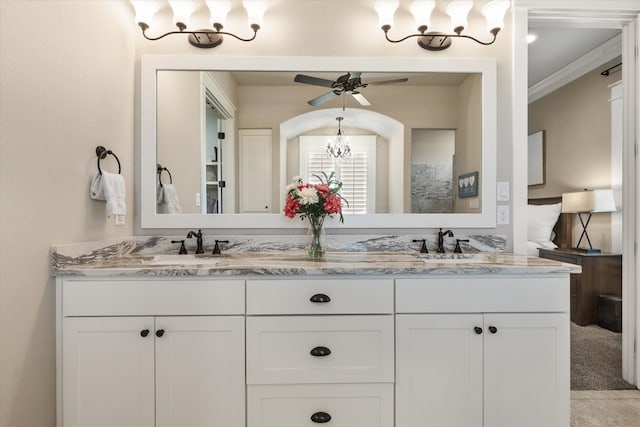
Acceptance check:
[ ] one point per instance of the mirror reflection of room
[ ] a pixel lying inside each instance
(219, 166)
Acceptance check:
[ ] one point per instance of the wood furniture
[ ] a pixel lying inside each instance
(601, 274)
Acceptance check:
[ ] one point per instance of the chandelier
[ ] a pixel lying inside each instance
(338, 147)
(457, 10)
(205, 37)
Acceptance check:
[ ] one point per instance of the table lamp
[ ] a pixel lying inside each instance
(585, 203)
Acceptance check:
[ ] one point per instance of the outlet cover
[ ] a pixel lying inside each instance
(502, 215)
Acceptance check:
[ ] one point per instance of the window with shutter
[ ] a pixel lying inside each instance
(357, 173)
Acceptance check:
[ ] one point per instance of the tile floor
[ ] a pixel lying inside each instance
(605, 408)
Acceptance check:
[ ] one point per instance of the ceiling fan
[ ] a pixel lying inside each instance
(349, 83)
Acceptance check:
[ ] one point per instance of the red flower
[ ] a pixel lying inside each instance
(291, 207)
(333, 204)
(323, 189)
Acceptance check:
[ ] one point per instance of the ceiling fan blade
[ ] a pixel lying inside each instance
(386, 82)
(324, 98)
(360, 98)
(316, 81)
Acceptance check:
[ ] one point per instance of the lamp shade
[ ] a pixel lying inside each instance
(494, 13)
(145, 9)
(386, 9)
(255, 11)
(182, 10)
(218, 9)
(458, 10)
(421, 11)
(588, 201)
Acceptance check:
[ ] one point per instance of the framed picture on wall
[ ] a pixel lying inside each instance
(468, 185)
(536, 158)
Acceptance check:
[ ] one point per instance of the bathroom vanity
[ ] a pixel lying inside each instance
(271, 339)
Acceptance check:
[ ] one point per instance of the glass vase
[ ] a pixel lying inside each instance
(316, 238)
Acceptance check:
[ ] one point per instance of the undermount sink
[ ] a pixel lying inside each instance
(453, 258)
(187, 259)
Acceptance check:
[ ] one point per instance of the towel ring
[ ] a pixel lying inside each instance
(160, 169)
(102, 152)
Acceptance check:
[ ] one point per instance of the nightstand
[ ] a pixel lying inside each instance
(601, 274)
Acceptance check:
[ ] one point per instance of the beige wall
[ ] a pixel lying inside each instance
(577, 123)
(67, 71)
(67, 85)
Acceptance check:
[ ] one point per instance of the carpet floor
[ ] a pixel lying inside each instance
(596, 359)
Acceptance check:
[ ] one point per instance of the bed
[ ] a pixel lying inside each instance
(547, 227)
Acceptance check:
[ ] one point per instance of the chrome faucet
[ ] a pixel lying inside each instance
(198, 236)
(441, 235)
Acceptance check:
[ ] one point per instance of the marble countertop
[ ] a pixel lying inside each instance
(297, 262)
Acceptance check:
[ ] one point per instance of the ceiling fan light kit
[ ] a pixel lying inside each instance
(205, 38)
(458, 10)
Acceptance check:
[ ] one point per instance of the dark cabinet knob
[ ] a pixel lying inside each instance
(478, 330)
(320, 351)
(144, 333)
(320, 298)
(159, 333)
(320, 417)
(493, 329)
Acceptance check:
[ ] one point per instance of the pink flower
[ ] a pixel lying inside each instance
(333, 204)
(291, 207)
(323, 189)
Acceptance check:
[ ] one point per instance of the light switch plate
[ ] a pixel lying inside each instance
(503, 191)
(502, 215)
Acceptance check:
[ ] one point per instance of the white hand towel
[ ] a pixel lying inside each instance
(110, 187)
(170, 197)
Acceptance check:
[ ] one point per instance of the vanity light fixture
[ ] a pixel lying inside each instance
(458, 10)
(338, 147)
(202, 38)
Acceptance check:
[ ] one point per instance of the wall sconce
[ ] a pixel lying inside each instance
(338, 147)
(457, 10)
(202, 38)
(586, 203)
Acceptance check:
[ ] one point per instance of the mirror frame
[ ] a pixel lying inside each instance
(151, 64)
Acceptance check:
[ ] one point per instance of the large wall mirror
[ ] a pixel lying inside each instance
(226, 135)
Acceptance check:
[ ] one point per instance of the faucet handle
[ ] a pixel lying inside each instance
(182, 250)
(216, 248)
(458, 249)
(423, 249)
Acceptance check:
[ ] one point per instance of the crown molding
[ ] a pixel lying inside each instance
(601, 55)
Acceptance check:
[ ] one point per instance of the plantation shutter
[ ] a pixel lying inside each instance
(357, 173)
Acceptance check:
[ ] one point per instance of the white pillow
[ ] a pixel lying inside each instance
(540, 221)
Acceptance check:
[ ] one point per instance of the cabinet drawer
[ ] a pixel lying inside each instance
(152, 297)
(348, 405)
(279, 349)
(332, 296)
(476, 294)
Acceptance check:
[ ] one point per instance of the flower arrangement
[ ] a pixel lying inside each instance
(315, 202)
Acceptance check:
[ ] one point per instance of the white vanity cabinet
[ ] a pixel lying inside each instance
(503, 363)
(145, 353)
(320, 351)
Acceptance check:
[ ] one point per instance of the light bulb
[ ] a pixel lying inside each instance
(145, 9)
(255, 11)
(458, 11)
(421, 11)
(494, 13)
(182, 10)
(386, 9)
(218, 10)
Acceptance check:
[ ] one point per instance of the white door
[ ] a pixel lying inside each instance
(255, 170)
(526, 382)
(108, 373)
(200, 371)
(439, 370)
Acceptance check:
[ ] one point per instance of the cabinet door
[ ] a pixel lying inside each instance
(255, 170)
(200, 371)
(438, 370)
(526, 381)
(108, 372)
